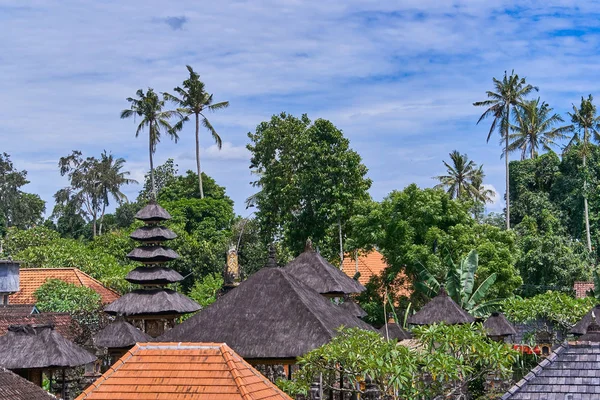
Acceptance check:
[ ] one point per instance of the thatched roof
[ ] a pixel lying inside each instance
(353, 308)
(394, 331)
(271, 315)
(153, 275)
(153, 233)
(152, 302)
(498, 325)
(153, 213)
(13, 387)
(592, 334)
(40, 346)
(580, 328)
(441, 309)
(152, 254)
(120, 334)
(316, 272)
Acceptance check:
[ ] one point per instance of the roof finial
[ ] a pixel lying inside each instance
(308, 246)
(442, 291)
(272, 260)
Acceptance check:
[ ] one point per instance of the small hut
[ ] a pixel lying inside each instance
(14, 387)
(271, 318)
(118, 337)
(392, 330)
(581, 327)
(498, 327)
(31, 349)
(441, 309)
(313, 270)
(152, 308)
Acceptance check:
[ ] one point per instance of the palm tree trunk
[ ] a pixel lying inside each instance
(585, 201)
(102, 218)
(151, 166)
(198, 156)
(507, 174)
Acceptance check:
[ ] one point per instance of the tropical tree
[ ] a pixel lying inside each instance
(509, 93)
(460, 175)
(586, 122)
(194, 100)
(536, 127)
(480, 192)
(150, 107)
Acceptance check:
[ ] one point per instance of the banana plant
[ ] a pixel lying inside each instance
(460, 285)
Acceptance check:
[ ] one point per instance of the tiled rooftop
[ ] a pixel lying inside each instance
(32, 278)
(63, 323)
(572, 371)
(369, 265)
(207, 371)
(581, 288)
(13, 387)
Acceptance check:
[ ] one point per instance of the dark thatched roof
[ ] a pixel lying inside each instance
(153, 213)
(153, 275)
(153, 233)
(498, 325)
(353, 308)
(394, 331)
(592, 334)
(441, 309)
(581, 327)
(316, 272)
(40, 346)
(120, 334)
(13, 387)
(152, 254)
(152, 302)
(271, 315)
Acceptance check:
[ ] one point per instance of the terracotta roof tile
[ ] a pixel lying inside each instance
(207, 371)
(13, 387)
(62, 322)
(369, 265)
(32, 278)
(581, 288)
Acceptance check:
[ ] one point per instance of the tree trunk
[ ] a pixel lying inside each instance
(507, 173)
(198, 156)
(585, 201)
(151, 166)
(102, 218)
(341, 244)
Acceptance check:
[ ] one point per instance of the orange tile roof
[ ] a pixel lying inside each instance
(32, 278)
(369, 265)
(169, 371)
(63, 323)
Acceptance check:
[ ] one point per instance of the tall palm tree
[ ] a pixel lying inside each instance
(150, 107)
(535, 127)
(480, 192)
(194, 100)
(460, 176)
(509, 93)
(111, 179)
(585, 121)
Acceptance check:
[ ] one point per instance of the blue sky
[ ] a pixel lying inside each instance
(398, 77)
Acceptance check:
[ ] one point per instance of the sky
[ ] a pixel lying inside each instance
(397, 77)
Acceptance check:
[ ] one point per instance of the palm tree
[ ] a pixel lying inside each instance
(462, 172)
(509, 93)
(150, 107)
(479, 191)
(193, 99)
(535, 127)
(585, 121)
(110, 181)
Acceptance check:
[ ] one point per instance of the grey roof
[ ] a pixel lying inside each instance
(441, 309)
(120, 334)
(572, 369)
(153, 213)
(152, 254)
(580, 328)
(271, 315)
(352, 307)
(152, 302)
(13, 387)
(153, 233)
(153, 275)
(316, 272)
(394, 331)
(498, 325)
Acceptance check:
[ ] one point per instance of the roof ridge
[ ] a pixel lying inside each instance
(237, 378)
(95, 280)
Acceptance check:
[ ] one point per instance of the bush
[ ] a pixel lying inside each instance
(59, 296)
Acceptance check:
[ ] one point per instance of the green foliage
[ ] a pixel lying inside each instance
(559, 308)
(449, 359)
(17, 240)
(205, 290)
(59, 296)
(185, 187)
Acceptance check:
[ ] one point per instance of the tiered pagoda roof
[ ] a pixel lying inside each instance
(120, 334)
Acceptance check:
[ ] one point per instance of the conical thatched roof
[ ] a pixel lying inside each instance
(153, 233)
(39, 346)
(153, 213)
(394, 331)
(152, 302)
(120, 334)
(152, 254)
(592, 334)
(441, 309)
(13, 387)
(316, 272)
(353, 308)
(498, 325)
(271, 315)
(593, 315)
(153, 275)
